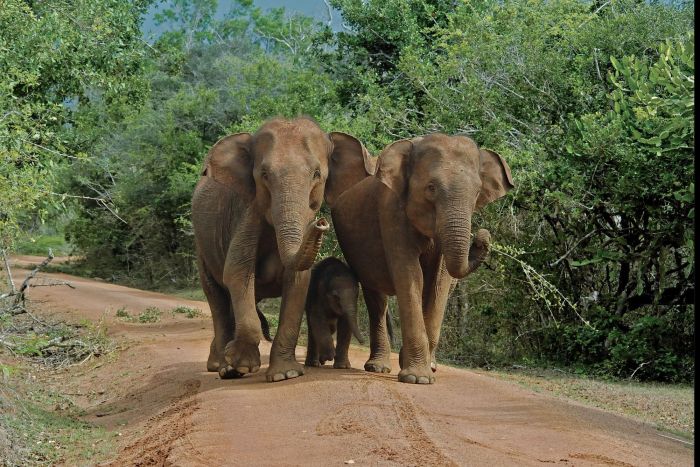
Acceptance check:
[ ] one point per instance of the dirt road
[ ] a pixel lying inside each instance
(169, 411)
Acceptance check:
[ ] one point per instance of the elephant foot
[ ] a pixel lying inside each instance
(312, 362)
(228, 372)
(415, 375)
(282, 370)
(341, 364)
(241, 357)
(214, 358)
(212, 363)
(326, 357)
(377, 366)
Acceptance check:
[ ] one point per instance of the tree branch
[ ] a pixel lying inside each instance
(25, 284)
(573, 248)
(13, 289)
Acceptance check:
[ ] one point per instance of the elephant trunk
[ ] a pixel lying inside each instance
(297, 242)
(310, 244)
(297, 246)
(455, 238)
(479, 249)
(351, 316)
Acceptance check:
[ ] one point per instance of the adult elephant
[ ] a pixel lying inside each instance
(253, 214)
(407, 232)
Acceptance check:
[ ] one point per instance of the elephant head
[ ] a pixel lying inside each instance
(284, 170)
(341, 294)
(441, 180)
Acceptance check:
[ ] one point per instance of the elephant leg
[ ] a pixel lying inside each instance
(242, 354)
(342, 344)
(222, 318)
(283, 364)
(436, 292)
(311, 345)
(380, 348)
(324, 328)
(415, 350)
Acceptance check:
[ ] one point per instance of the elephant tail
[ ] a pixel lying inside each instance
(389, 327)
(264, 325)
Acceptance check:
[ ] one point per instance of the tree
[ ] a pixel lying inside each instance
(57, 60)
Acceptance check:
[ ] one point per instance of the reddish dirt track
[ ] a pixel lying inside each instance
(171, 412)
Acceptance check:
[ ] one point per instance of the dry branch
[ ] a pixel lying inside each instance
(13, 289)
(20, 293)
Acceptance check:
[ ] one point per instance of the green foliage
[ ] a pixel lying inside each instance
(40, 244)
(58, 58)
(187, 311)
(149, 315)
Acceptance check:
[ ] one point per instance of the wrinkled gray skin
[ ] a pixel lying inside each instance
(253, 215)
(406, 231)
(331, 305)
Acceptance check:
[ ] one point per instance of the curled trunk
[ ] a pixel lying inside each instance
(298, 248)
(454, 238)
(479, 249)
(297, 242)
(310, 244)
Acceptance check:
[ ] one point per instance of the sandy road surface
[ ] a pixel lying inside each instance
(171, 412)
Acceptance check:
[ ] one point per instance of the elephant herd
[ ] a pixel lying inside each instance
(403, 223)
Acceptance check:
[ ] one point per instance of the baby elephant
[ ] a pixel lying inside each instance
(331, 304)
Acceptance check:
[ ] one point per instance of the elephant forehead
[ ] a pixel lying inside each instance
(448, 146)
(443, 163)
(344, 283)
(289, 146)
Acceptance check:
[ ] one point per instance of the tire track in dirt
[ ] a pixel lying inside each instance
(162, 430)
(387, 420)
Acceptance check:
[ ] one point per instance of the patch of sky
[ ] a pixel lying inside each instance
(318, 9)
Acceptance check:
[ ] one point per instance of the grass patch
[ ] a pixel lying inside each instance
(668, 407)
(37, 425)
(188, 294)
(187, 311)
(39, 245)
(32, 432)
(149, 315)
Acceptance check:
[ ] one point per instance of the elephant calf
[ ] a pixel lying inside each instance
(331, 304)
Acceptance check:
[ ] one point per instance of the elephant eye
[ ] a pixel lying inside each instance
(431, 188)
(317, 174)
(263, 174)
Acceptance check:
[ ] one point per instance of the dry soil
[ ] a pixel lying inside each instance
(170, 411)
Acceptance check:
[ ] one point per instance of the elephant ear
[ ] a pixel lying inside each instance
(496, 180)
(348, 164)
(392, 167)
(230, 163)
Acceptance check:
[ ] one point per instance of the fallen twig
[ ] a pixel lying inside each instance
(638, 368)
(51, 284)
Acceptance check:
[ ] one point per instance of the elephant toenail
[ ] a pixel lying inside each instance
(278, 377)
(423, 380)
(292, 374)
